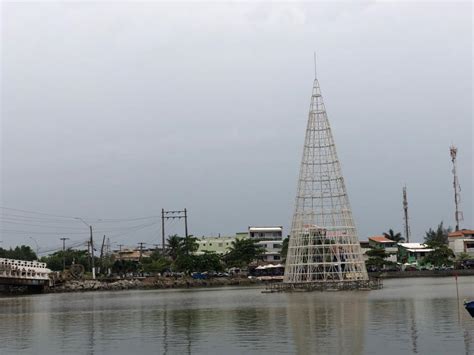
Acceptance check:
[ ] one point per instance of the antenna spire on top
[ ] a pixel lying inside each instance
(315, 65)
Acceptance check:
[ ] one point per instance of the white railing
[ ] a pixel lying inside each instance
(22, 269)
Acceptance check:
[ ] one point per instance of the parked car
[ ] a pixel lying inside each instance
(468, 264)
(199, 276)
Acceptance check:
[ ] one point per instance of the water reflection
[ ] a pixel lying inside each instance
(17, 326)
(328, 322)
(407, 316)
(413, 327)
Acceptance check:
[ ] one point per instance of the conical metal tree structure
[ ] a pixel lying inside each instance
(323, 245)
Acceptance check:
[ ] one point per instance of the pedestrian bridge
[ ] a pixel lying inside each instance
(24, 273)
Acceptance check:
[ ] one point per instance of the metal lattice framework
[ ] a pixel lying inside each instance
(323, 245)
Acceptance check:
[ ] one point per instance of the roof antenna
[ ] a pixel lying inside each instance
(315, 65)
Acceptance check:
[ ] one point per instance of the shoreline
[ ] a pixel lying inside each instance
(158, 283)
(148, 283)
(421, 273)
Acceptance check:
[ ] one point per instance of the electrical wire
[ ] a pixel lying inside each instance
(48, 224)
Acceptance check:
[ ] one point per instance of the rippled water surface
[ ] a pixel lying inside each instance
(408, 316)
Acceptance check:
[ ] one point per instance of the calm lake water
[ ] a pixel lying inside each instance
(408, 316)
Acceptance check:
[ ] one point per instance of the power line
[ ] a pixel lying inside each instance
(34, 212)
(95, 220)
(143, 227)
(62, 231)
(41, 225)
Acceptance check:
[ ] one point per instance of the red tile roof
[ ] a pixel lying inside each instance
(380, 239)
(461, 233)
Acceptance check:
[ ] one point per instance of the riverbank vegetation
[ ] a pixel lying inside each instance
(180, 257)
(23, 252)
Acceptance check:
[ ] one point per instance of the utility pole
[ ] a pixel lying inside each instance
(163, 231)
(89, 252)
(107, 257)
(37, 246)
(91, 241)
(457, 189)
(141, 250)
(172, 215)
(405, 212)
(64, 252)
(102, 248)
(102, 254)
(185, 224)
(92, 254)
(120, 251)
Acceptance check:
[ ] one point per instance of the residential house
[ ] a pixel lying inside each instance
(412, 253)
(381, 242)
(132, 254)
(462, 241)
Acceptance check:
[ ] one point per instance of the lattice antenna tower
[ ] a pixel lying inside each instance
(458, 216)
(405, 215)
(323, 245)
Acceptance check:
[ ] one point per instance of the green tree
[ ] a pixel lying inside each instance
(181, 250)
(284, 248)
(464, 256)
(396, 237)
(441, 255)
(55, 260)
(242, 252)
(438, 240)
(438, 237)
(376, 259)
(174, 246)
(23, 252)
(125, 266)
(189, 245)
(185, 263)
(154, 265)
(208, 261)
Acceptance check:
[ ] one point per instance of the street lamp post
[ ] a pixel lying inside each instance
(64, 252)
(92, 245)
(37, 246)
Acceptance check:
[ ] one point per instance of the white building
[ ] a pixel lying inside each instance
(413, 253)
(462, 241)
(272, 252)
(267, 233)
(218, 245)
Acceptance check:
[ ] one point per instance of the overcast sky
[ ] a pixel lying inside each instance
(116, 110)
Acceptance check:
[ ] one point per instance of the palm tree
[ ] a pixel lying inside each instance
(189, 245)
(175, 244)
(396, 237)
(242, 252)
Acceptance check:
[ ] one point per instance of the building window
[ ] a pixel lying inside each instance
(276, 257)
